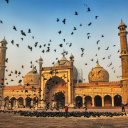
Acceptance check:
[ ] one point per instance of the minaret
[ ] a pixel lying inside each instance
(40, 67)
(124, 60)
(71, 79)
(2, 67)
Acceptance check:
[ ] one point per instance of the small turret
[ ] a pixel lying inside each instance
(71, 59)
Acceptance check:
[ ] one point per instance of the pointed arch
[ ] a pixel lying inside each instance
(6, 101)
(107, 101)
(98, 101)
(117, 100)
(20, 102)
(78, 101)
(28, 102)
(88, 101)
(12, 101)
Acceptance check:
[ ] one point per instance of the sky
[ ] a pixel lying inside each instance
(40, 16)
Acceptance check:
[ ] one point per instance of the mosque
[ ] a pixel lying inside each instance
(57, 85)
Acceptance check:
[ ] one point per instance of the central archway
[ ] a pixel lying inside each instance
(98, 101)
(53, 87)
(60, 100)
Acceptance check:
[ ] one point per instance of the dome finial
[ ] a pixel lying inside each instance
(121, 21)
(4, 37)
(97, 61)
(63, 53)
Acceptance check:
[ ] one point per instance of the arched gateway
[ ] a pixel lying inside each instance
(55, 91)
(59, 78)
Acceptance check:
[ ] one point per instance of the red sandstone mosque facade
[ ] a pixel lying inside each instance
(58, 85)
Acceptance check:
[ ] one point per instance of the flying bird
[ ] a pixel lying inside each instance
(74, 28)
(72, 33)
(118, 51)
(12, 41)
(89, 10)
(14, 28)
(89, 23)
(7, 1)
(6, 60)
(96, 17)
(98, 41)
(61, 45)
(102, 36)
(70, 44)
(40, 46)
(29, 30)
(59, 32)
(89, 37)
(36, 44)
(64, 21)
(107, 48)
(82, 54)
(76, 13)
(17, 45)
(57, 20)
(1, 21)
(82, 49)
(80, 24)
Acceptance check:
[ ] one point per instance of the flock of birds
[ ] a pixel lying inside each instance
(64, 114)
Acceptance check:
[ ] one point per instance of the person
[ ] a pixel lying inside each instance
(85, 106)
(123, 108)
(66, 110)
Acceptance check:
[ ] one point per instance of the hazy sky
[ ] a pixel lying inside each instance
(41, 15)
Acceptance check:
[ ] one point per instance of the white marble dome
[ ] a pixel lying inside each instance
(98, 74)
(32, 77)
